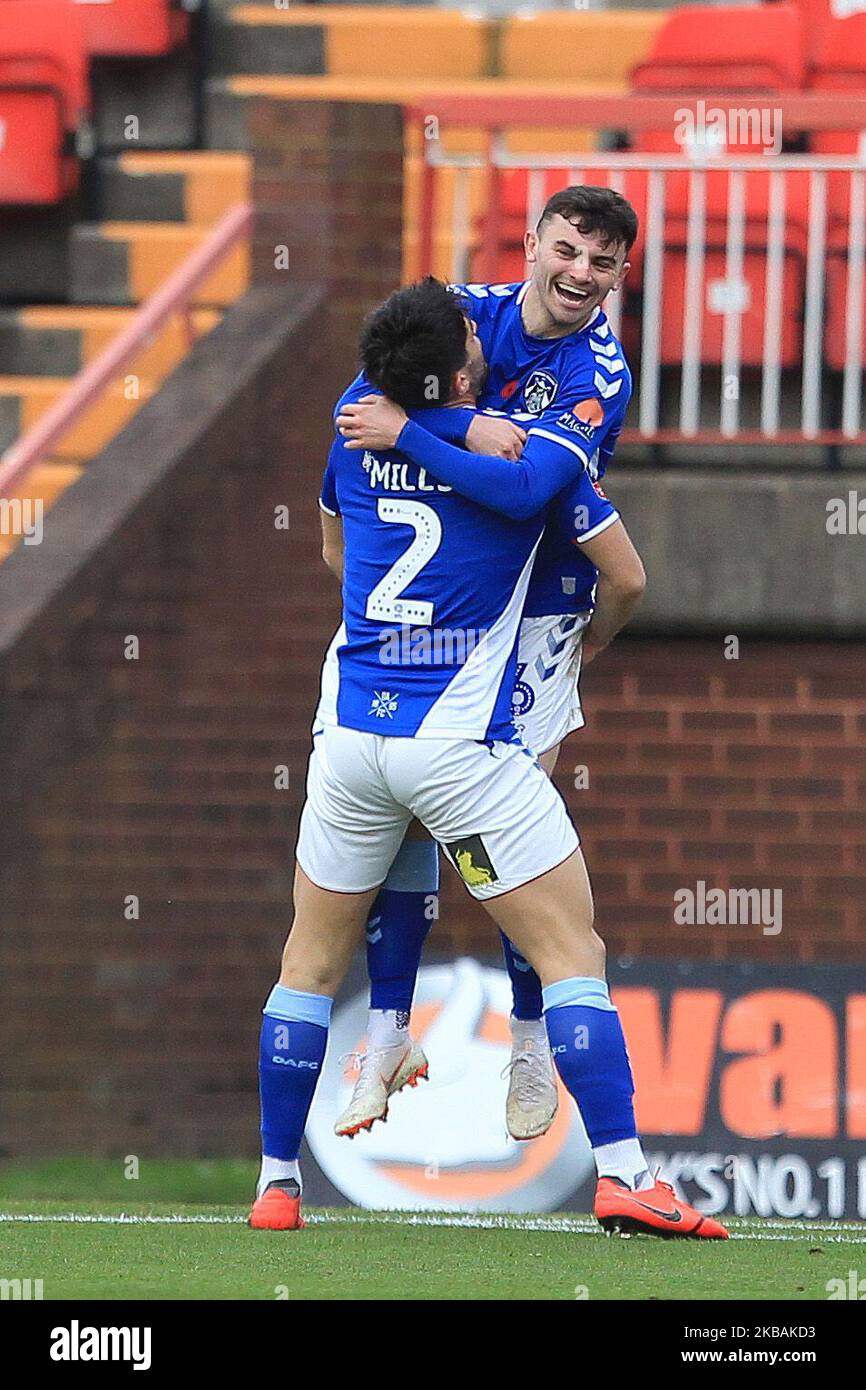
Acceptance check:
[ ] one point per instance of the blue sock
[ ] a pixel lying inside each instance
(589, 1050)
(525, 984)
(293, 1039)
(398, 924)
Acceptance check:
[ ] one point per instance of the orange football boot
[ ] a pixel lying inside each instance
(278, 1208)
(654, 1211)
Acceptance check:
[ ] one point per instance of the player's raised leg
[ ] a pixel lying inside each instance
(532, 1099)
(397, 928)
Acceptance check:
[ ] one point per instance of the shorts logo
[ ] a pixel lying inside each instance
(539, 392)
(472, 861)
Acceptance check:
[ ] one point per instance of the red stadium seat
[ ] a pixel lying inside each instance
(33, 168)
(130, 28)
(755, 238)
(816, 15)
(753, 318)
(133, 28)
(757, 200)
(835, 315)
(840, 66)
(730, 49)
(511, 265)
(44, 99)
(724, 52)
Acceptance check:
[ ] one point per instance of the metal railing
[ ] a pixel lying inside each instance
(173, 297)
(768, 397)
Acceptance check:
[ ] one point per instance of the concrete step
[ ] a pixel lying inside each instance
(124, 262)
(228, 100)
(196, 187)
(237, 45)
(145, 103)
(23, 400)
(389, 41)
(34, 253)
(58, 340)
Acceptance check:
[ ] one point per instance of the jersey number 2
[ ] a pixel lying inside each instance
(385, 603)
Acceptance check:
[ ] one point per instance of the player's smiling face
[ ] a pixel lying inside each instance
(572, 273)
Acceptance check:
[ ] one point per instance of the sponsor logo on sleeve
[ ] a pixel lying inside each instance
(584, 419)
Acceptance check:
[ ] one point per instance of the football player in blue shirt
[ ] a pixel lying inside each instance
(444, 548)
(555, 369)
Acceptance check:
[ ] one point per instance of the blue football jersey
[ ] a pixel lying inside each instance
(571, 392)
(433, 592)
(575, 390)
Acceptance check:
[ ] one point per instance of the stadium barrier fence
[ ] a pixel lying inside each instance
(785, 230)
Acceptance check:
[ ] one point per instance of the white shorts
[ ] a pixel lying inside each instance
(496, 815)
(546, 703)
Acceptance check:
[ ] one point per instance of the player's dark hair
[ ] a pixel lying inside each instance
(414, 343)
(596, 210)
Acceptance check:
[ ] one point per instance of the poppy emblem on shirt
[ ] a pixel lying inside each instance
(590, 413)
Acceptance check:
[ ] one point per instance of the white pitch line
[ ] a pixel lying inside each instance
(840, 1233)
(121, 1219)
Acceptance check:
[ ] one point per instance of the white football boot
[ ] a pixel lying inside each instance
(533, 1100)
(382, 1073)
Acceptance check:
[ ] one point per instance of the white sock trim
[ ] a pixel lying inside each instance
(278, 1170)
(624, 1160)
(387, 1028)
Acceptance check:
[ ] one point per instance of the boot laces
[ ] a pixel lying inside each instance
(529, 1065)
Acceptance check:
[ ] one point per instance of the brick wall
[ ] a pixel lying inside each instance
(155, 777)
(746, 773)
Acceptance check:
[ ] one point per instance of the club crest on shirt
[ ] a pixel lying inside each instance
(383, 704)
(539, 392)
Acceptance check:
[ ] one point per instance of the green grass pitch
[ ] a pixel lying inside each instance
(178, 1232)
